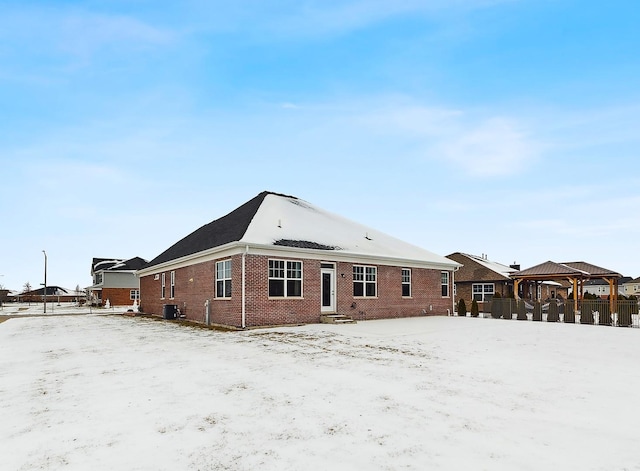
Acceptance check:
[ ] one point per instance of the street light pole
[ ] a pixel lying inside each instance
(45, 281)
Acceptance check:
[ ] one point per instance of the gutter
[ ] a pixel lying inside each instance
(244, 293)
(453, 288)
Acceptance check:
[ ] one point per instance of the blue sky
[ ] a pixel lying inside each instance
(509, 127)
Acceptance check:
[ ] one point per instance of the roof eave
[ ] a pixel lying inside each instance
(264, 249)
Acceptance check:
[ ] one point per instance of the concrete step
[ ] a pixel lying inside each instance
(336, 319)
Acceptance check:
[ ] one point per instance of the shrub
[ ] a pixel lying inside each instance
(553, 316)
(537, 311)
(507, 309)
(496, 307)
(462, 308)
(475, 312)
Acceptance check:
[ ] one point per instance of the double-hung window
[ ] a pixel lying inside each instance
(223, 279)
(483, 291)
(406, 283)
(445, 284)
(285, 279)
(365, 281)
(163, 283)
(172, 288)
(134, 294)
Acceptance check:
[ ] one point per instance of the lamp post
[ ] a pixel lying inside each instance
(45, 281)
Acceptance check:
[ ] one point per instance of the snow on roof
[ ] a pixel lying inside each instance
(119, 264)
(276, 220)
(504, 270)
(299, 223)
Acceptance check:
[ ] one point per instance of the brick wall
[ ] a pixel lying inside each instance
(426, 297)
(117, 296)
(196, 284)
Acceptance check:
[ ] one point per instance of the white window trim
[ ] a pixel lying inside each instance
(163, 281)
(364, 281)
(172, 287)
(447, 284)
(224, 279)
(407, 282)
(134, 294)
(483, 293)
(286, 278)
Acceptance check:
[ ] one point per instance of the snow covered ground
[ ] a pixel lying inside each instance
(96, 392)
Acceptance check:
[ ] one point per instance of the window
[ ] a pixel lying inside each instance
(483, 292)
(406, 282)
(445, 284)
(163, 290)
(98, 279)
(134, 295)
(223, 279)
(285, 279)
(172, 289)
(364, 281)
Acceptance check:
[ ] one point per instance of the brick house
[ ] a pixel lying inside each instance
(279, 260)
(480, 278)
(115, 280)
(54, 294)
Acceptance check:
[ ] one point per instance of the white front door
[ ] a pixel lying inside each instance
(328, 289)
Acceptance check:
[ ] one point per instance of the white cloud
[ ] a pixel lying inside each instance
(476, 142)
(98, 31)
(319, 17)
(77, 33)
(493, 147)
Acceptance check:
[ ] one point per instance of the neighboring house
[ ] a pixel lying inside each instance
(631, 288)
(115, 280)
(480, 278)
(280, 260)
(54, 294)
(602, 289)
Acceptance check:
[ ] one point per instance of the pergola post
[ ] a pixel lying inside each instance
(574, 282)
(613, 293)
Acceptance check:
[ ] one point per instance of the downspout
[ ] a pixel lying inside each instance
(453, 291)
(244, 297)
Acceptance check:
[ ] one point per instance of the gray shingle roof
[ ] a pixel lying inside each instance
(273, 219)
(229, 228)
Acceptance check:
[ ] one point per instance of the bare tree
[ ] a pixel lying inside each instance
(25, 289)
